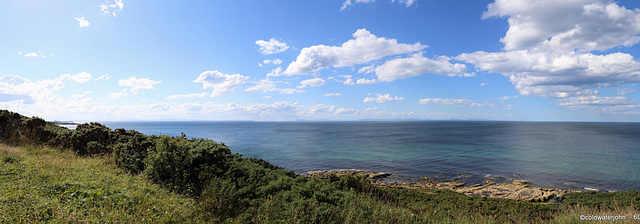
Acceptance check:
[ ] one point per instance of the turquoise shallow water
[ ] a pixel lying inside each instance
(567, 155)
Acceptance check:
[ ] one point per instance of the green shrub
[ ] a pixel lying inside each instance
(221, 199)
(130, 149)
(185, 165)
(87, 133)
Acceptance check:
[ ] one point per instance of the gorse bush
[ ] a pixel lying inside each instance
(185, 165)
(130, 149)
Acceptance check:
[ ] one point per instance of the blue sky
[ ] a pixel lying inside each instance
(321, 60)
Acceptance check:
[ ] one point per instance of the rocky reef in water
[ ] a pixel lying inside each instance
(511, 189)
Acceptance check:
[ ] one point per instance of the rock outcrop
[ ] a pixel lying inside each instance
(339, 173)
(516, 190)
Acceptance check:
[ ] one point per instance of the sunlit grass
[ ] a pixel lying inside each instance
(48, 185)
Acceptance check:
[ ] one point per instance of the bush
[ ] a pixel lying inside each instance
(130, 149)
(221, 199)
(185, 165)
(85, 134)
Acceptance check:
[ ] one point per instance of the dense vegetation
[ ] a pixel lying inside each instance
(94, 173)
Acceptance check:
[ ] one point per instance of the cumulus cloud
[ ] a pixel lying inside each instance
(382, 99)
(103, 77)
(558, 75)
(82, 22)
(505, 98)
(111, 8)
(609, 105)
(333, 94)
(364, 81)
(118, 95)
(363, 48)
(272, 61)
(407, 3)
(272, 46)
(624, 91)
(81, 77)
(585, 25)
(222, 84)
(188, 96)
(454, 102)
(347, 80)
(312, 82)
(403, 68)
(266, 85)
(17, 88)
(275, 72)
(348, 3)
(137, 84)
(549, 46)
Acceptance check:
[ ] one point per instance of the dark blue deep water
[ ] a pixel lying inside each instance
(567, 155)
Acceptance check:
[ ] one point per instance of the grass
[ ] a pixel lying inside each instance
(49, 185)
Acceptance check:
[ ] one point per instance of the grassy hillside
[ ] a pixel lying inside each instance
(49, 173)
(47, 185)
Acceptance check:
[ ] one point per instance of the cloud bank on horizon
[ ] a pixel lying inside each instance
(336, 60)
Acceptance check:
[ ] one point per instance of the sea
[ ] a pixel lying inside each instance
(567, 155)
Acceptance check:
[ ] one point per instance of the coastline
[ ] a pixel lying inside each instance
(513, 189)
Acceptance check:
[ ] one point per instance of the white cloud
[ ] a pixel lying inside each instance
(455, 102)
(266, 85)
(484, 84)
(17, 88)
(367, 69)
(558, 75)
(81, 77)
(505, 98)
(272, 46)
(585, 25)
(312, 82)
(365, 47)
(407, 3)
(624, 91)
(105, 77)
(348, 3)
(82, 22)
(109, 8)
(333, 94)
(265, 97)
(364, 81)
(38, 54)
(272, 61)
(275, 72)
(138, 84)
(548, 46)
(417, 64)
(608, 105)
(222, 84)
(119, 95)
(189, 96)
(348, 81)
(382, 99)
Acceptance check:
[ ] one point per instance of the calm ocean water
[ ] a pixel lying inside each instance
(567, 155)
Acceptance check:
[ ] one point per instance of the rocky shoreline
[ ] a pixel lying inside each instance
(510, 189)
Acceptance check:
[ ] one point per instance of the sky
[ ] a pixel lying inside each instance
(516, 60)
